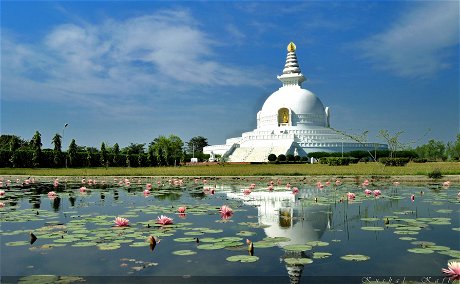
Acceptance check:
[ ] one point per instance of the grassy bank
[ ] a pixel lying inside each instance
(360, 169)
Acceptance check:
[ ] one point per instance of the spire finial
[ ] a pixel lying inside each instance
(291, 47)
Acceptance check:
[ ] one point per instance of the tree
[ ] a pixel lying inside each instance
(392, 141)
(36, 144)
(167, 150)
(453, 149)
(196, 144)
(14, 145)
(433, 150)
(72, 152)
(89, 156)
(103, 155)
(57, 142)
(134, 149)
(116, 154)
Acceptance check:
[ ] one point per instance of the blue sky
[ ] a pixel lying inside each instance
(128, 71)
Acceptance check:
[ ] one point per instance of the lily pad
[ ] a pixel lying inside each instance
(211, 246)
(297, 247)
(355, 257)
(317, 243)
(420, 250)
(185, 240)
(321, 255)
(372, 228)
(242, 258)
(184, 252)
(297, 261)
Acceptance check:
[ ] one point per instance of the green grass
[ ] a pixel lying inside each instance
(368, 169)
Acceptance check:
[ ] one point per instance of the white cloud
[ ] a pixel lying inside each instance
(420, 43)
(117, 61)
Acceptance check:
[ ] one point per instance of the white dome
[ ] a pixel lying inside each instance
(304, 106)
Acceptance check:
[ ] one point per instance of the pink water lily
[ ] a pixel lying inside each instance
(52, 194)
(288, 185)
(181, 209)
(396, 183)
(453, 270)
(164, 220)
(367, 191)
(295, 190)
(2, 204)
(351, 196)
(377, 193)
(328, 183)
(2, 192)
(146, 192)
(338, 182)
(446, 184)
(82, 189)
(121, 222)
(366, 182)
(148, 186)
(319, 185)
(252, 186)
(247, 191)
(226, 212)
(56, 183)
(270, 187)
(412, 198)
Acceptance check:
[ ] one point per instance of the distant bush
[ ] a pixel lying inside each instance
(419, 160)
(281, 158)
(297, 158)
(290, 158)
(272, 157)
(394, 162)
(336, 161)
(435, 174)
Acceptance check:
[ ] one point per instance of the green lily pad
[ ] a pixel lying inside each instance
(184, 252)
(211, 246)
(406, 232)
(297, 261)
(185, 240)
(264, 244)
(17, 243)
(407, 238)
(297, 247)
(321, 255)
(355, 257)
(112, 246)
(372, 228)
(371, 219)
(192, 233)
(242, 258)
(423, 243)
(317, 243)
(420, 250)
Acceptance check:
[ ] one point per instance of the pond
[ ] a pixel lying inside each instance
(272, 232)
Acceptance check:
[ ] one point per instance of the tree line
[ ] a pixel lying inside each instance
(162, 151)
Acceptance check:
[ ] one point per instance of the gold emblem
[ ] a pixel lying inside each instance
(291, 47)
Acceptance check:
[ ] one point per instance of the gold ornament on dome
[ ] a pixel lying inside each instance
(291, 47)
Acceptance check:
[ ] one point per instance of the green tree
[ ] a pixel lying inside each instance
(116, 154)
(134, 148)
(453, 149)
(72, 152)
(89, 156)
(168, 150)
(14, 146)
(196, 144)
(392, 140)
(433, 150)
(104, 161)
(36, 144)
(57, 142)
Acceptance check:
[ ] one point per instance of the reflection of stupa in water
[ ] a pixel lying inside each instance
(286, 217)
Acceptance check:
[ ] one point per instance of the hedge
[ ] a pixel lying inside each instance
(394, 162)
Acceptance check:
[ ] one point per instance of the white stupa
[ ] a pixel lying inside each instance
(293, 121)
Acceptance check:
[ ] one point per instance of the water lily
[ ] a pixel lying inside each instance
(82, 189)
(453, 270)
(181, 209)
(226, 212)
(367, 191)
(148, 186)
(328, 183)
(288, 185)
(338, 182)
(295, 190)
(412, 198)
(52, 194)
(247, 191)
(56, 183)
(164, 220)
(446, 184)
(396, 183)
(319, 185)
(366, 182)
(270, 187)
(377, 193)
(2, 192)
(252, 186)
(351, 196)
(121, 222)
(2, 204)
(146, 192)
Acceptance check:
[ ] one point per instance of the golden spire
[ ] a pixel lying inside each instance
(291, 47)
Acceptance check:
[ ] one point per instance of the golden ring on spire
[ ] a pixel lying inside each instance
(291, 47)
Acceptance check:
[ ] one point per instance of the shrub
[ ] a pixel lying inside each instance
(419, 160)
(281, 158)
(394, 162)
(290, 157)
(336, 161)
(435, 174)
(297, 158)
(272, 157)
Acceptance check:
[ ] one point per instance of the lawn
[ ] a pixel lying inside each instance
(360, 169)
